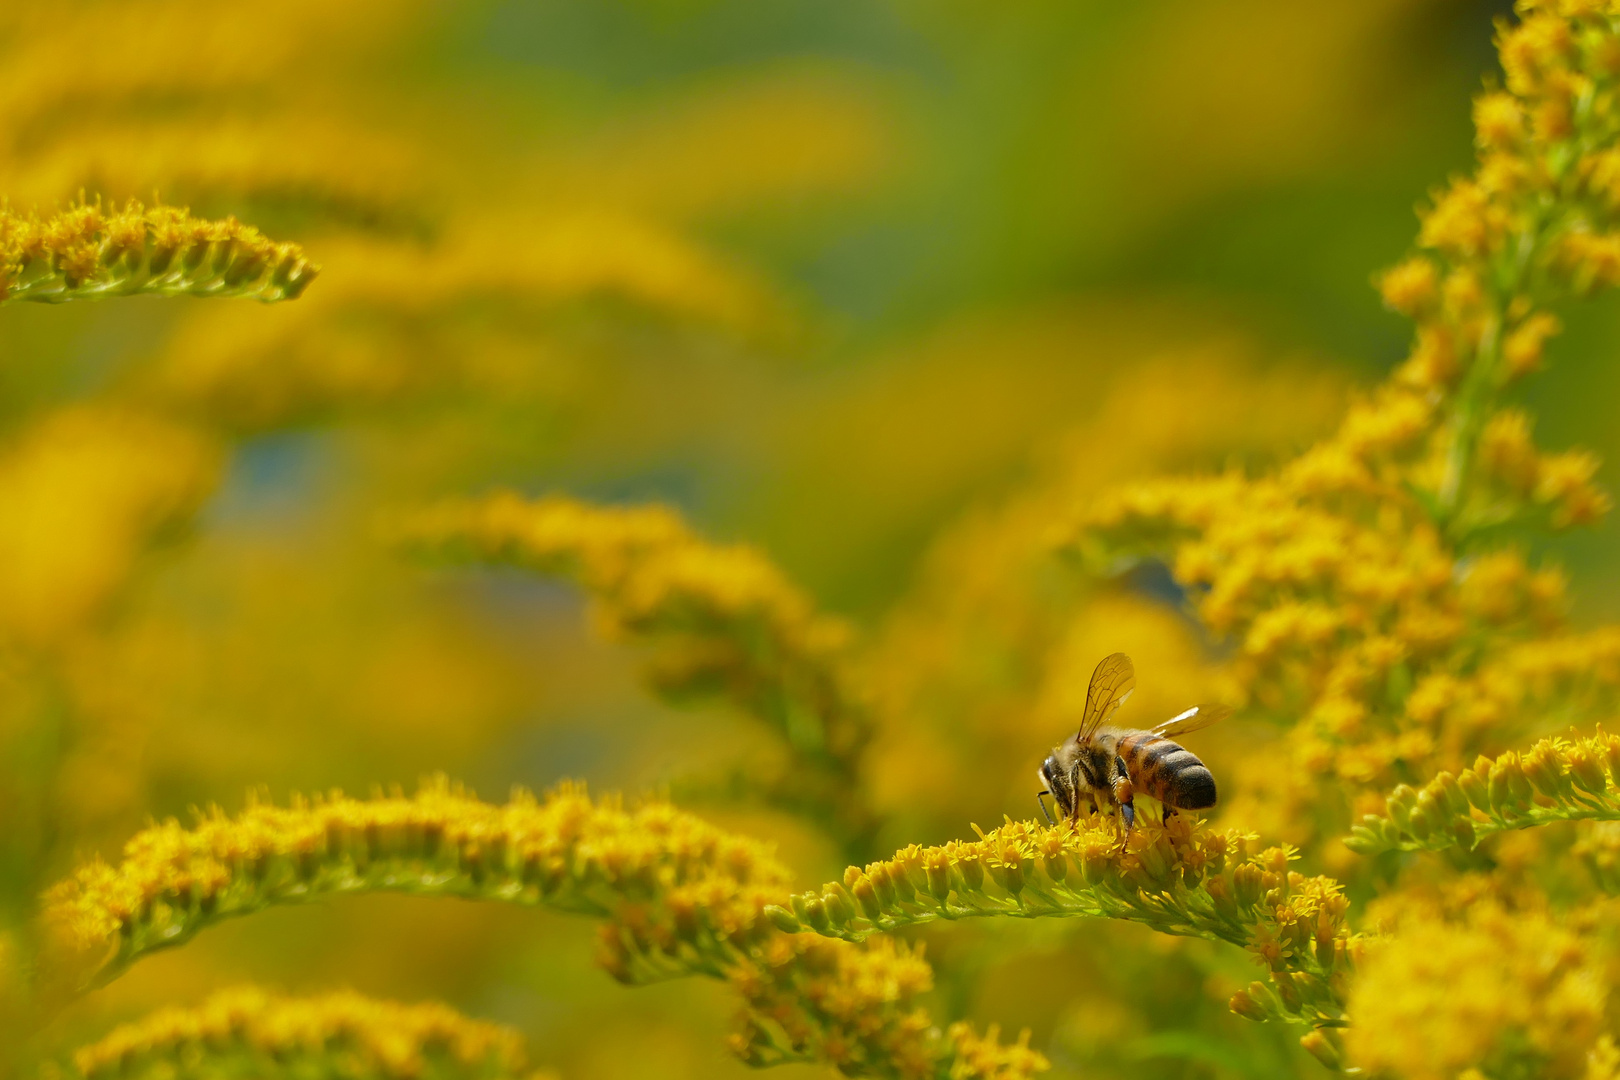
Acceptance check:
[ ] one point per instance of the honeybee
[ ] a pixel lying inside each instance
(1106, 766)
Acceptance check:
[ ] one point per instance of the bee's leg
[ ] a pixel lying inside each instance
(1123, 795)
(1074, 786)
(1169, 812)
(1041, 798)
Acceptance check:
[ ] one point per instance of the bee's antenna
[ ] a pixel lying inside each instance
(1040, 797)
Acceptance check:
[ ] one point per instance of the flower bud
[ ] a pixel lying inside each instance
(1400, 803)
(1156, 859)
(1221, 893)
(783, 919)
(1247, 881)
(1094, 864)
(1585, 771)
(1244, 1004)
(1425, 815)
(1611, 758)
(837, 906)
(884, 884)
(909, 863)
(1287, 992)
(1054, 861)
(1313, 988)
(902, 883)
(1541, 768)
(1011, 877)
(939, 876)
(866, 895)
(814, 913)
(1518, 783)
(1253, 1003)
(1503, 800)
(1372, 835)
(1476, 789)
(972, 871)
(1456, 800)
(1462, 830)
(1322, 1049)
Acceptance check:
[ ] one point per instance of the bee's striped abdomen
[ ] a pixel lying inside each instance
(1164, 770)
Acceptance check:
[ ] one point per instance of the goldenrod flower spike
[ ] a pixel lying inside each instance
(813, 1000)
(685, 894)
(679, 897)
(721, 620)
(1366, 609)
(248, 1032)
(1177, 879)
(88, 253)
(1555, 780)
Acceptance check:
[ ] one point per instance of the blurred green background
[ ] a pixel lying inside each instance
(846, 280)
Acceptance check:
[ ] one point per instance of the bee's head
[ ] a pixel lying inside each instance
(1055, 778)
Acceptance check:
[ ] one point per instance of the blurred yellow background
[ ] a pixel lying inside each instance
(876, 285)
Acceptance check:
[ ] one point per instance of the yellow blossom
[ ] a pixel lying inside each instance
(679, 896)
(1555, 780)
(1463, 223)
(87, 253)
(248, 1029)
(1176, 877)
(1498, 123)
(1521, 349)
(1376, 533)
(1514, 992)
(682, 889)
(1411, 287)
(719, 619)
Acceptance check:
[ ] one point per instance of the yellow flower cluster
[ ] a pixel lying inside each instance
(438, 260)
(810, 1000)
(87, 253)
(1398, 655)
(678, 896)
(1555, 780)
(247, 1031)
(721, 620)
(682, 893)
(1176, 878)
(1475, 986)
(1359, 581)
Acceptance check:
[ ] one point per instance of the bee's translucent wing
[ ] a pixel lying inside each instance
(1111, 684)
(1194, 719)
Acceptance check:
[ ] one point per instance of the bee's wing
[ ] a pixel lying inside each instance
(1111, 684)
(1194, 719)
